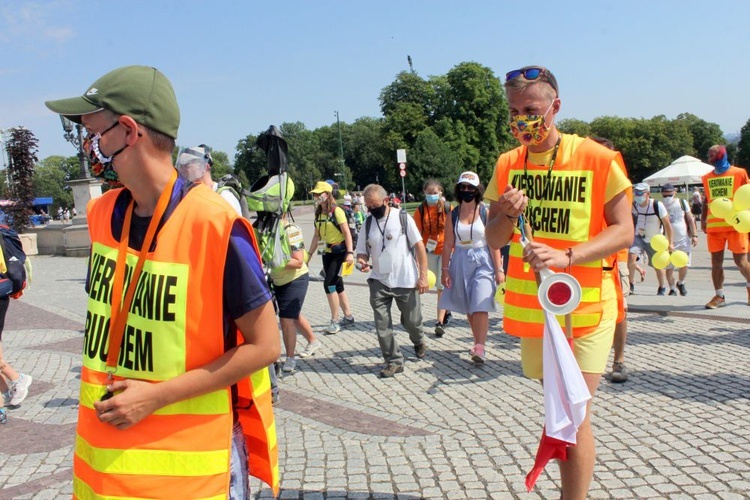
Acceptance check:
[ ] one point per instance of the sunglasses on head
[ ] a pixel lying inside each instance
(533, 73)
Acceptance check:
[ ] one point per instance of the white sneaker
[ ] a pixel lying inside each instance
(333, 327)
(310, 349)
(6, 396)
(289, 365)
(19, 389)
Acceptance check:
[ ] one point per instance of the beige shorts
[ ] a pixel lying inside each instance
(591, 351)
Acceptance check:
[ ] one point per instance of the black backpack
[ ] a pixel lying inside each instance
(233, 184)
(13, 281)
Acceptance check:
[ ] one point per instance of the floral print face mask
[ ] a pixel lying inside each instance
(530, 130)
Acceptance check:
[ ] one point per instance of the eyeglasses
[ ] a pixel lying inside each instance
(532, 73)
(466, 187)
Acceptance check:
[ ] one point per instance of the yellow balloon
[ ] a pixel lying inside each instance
(721, 207)
(729, 219)
(660, 260)
(741, 221)
(679, 259)
(741, 198)
(500, 294)
(431, 279)
(659, 243)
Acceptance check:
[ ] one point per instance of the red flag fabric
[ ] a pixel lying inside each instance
(549, 449)
(565, 398)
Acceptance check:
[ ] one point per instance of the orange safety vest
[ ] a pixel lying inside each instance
(722, 186)
(175, 325)
(430, 222)
(573, 212)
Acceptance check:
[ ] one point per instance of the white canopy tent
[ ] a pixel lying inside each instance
(684, 170)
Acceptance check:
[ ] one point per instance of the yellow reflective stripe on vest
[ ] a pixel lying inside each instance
(213, 403)
(528, 287)
(83, 491)
(153, 462)
(526, 315)
(261, 382)
(516, 250)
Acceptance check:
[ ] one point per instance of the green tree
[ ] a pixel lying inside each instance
(705, 134)
(742, 158)
(21, 149)
(51, 176)
(249, 158)
(366, 155)
(575, 126)
(221, 165)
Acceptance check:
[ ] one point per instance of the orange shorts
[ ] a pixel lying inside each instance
(736, 242)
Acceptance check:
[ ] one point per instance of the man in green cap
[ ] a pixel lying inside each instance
(180, 326)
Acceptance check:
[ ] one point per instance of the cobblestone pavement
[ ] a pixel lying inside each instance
(442, 429)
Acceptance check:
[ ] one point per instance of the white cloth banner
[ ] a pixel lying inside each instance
(565, 390)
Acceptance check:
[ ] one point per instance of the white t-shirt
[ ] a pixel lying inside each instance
(231, 198)
(674, 208)
(403, 270)
(470, 235)
(647, 223)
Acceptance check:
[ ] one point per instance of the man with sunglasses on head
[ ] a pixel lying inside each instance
(180, 328)
(573, 196)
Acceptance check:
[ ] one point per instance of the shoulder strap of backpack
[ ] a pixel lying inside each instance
(368, 225)
(402, 216)
(483, 213)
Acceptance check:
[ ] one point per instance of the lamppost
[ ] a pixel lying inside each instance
(85, 188)
(341, 151)
(77, 141)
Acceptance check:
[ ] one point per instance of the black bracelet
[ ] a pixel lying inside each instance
(349, 253)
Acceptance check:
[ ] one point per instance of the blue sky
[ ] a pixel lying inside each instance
(240, 66)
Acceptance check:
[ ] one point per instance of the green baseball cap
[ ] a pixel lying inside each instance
(140, 92)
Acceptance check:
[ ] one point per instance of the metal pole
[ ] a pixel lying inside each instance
(341, 151)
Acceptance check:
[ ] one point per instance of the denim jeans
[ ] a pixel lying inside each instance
(239, 484)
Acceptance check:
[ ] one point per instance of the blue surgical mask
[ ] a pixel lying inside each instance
(639, 198)
(432, 199)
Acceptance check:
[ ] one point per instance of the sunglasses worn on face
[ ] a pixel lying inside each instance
(533, 73)
(465, 187)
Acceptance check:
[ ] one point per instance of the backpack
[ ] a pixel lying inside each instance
(13, 277)
(402, 215)
(654, 208)
(482, 215)
(232, 183)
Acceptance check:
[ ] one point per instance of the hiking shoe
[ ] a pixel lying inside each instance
(682, 289)
(310, 349)
(289, 365)
(347, 321)
(333, 328)
(391, 370)
(420, 350)
(673, 293)
(447, 317)
(3, 416)
(478, 355)
(439, 330)
(619, 373)
(19, 389)
(717, 301)
(661, 290)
